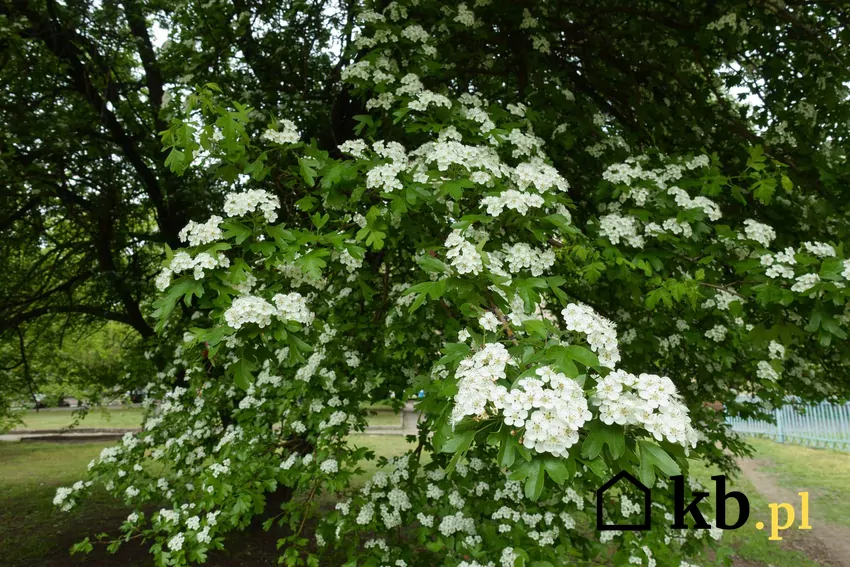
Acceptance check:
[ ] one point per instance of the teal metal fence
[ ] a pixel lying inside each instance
(815, 425)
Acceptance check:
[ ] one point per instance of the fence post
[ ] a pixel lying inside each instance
(777, 412)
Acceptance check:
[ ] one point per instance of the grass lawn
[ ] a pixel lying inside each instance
(750, 544)
(823, 472)
(385, 419)
(107, 418)
(34, 534)
(132, 417)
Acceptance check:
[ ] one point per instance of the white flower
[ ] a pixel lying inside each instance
(647, 400)
(776, 350)
(465, 15)
(522, 256)
(329, 466)
(805, 282)
(356, 148)
(601, 333)
(240, 204)
(463, 255)
(766, 372)
(617, 227)
(197, 234)
(716, 333)
(488, 321)
(761, 233)
(176, 542)
(288, 135)
(819, 249)
(249, 309)
(293, 307)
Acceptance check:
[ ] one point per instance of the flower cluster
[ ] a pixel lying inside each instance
(241, 204)
(819, 249)
(197, 234)
(247, 309)
(648, 401)
(551, 407)
(462, 254)
(287, 135)
(477, 376)
(779, 264)
(761, 233)
(601, 333)
(766, 372)
(805, 282)
(523, 256)
(617, 227)
(293, 307)
(183, 261)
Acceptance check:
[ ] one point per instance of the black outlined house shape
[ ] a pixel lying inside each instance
(647, 501)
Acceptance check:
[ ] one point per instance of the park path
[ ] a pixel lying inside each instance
(826, 543)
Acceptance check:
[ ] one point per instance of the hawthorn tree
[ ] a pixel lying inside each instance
(557, 219)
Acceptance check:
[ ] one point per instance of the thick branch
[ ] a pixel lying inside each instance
(153, 77)
(78, 309)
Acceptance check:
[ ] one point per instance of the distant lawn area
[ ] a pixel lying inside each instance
(125, 418)
(385, 419)
(35, 534)
(128, 418)
(823, 472)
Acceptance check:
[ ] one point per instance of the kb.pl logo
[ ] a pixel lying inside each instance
(681, 509)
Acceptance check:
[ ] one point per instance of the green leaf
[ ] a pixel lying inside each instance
(455, 187)
(556, 469)
(599, 435)
(507, 454)
(313, 262)
(432, 265)
(319, 221)
(453, 352)
(241, 371)
(829, 324)
(235, 229)
(764, 189)
(582, 355)
(535, 480)
(597, 466)
(654, 457)
(307, 171)
(459, 442)
(831, 269)
(306, 203)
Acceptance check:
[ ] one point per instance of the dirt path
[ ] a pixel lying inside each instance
(828, 544)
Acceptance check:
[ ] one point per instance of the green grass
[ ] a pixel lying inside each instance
(32, 531)
(132, 417)
(824, 473)
(750, 544)
(101, 418)
(34, 534)
(385, 419)
(383, 445)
